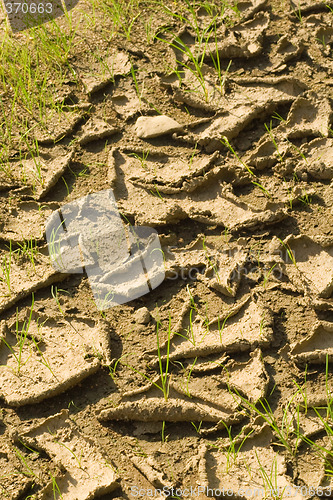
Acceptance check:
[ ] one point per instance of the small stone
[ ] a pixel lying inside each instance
(142, 316)
(147, 127)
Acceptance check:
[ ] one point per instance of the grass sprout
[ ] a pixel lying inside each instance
(5, 268)
(290, 253)
(164, 374)
(227, 144)
(270, 133)
(142, 159)
(21, 337)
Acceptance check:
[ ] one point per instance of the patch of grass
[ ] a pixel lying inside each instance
(29, 249)
(234, 447)
(122, 14)
(325, 415)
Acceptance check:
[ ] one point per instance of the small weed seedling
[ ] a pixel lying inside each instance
(270, 133)
(163, 373)
(197, 427)
(298, 13)
(28, 248)
(21, 337)
(54, 293)
(268, 274)
(185, 386)
(142, 159)
(28, 471)
(232, 450)
(55, 488)
(227, 144)
(6, 268)
(290, 253)
(262, 188)
(221, 328)
(217, 65)
(133, 73)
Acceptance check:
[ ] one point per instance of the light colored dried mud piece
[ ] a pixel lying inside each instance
(147, 127)
(286, 50)
(243, 40)
(250, 378)
(223, 265)
(311, 470)
(246, 326)
(196, 101)
(242, 91)
(203, 365)
(211, 390)
(149, 468)
(148, 404)
(308, 423)
(246, 102)
(256, 468)
(186, 260)
(174, 174)
(317, 396)
(88, 473)
(23, 280)
(96, 129)
(24, 220)
(265, 154)
(54, 354)
(114, 65)
(317, 346)
(308, 116)
(142, 316)
(42, 174)
(126, 102)
(57, 127)
(213, 205)
(318, 160)
(311, 269)
(246, 8)
(324, 35)
(304, 6)
(225, 271)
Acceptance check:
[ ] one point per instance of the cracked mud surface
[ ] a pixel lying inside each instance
(221, 376)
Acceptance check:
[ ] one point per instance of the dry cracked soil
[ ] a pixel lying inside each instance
(212, 124)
